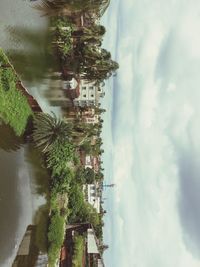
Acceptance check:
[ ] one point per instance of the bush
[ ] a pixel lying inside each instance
(60, 155)
(55, 237)
(78, 251)
(8, 78)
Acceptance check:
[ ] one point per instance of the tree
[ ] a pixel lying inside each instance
(85, 176)
(60, 157)
(103, 247)
(62, 41)
(82, 132)
(48, 130)
(95, 64)
(92, 35)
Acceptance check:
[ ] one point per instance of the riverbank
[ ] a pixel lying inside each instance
(14, 107)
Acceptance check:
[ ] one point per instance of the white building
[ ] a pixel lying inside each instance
(91, 162)
(77, 92)
(93, 197)
(89, 94)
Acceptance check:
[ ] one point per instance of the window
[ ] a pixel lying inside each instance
(84, 87)
(91, 87)
(84, 95)
(92, 95)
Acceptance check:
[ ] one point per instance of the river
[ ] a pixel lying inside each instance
(23, 180)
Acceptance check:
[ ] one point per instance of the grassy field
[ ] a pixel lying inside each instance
(14, 108)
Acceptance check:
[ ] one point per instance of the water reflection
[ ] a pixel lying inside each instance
(41, 220)
(23, 189)
(39, 172)
(23, 179)
(34, 60)
(10, 206)
(40, 187)
(11, 142)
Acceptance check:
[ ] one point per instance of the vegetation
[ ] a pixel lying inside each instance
(78, 251)
(3, 58)
(57, 141)
(59, 158)
(79, 210)
(77, 48)
(14, 108)
(55, 237)
(95, 63)
(49, 131)
(62, 40)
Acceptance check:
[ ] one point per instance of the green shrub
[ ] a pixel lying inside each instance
(55, 237)
(78, 251)
(58, 158)
(8, 78)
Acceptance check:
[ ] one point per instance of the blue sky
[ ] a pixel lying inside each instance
(151, 134)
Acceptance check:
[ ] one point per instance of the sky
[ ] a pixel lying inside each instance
(151, 133)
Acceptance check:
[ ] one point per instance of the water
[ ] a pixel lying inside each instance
(24, 36)
(23, 180)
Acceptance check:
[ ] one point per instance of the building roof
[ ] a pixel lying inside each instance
(91, 242)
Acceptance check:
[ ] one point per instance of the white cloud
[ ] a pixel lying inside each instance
(156, 118)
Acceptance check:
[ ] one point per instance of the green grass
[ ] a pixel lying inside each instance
(3, 58)
(14, 108)
(78, 251)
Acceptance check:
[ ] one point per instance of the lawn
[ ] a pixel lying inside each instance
(14, 108)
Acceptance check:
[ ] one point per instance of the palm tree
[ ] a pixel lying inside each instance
(48, 130)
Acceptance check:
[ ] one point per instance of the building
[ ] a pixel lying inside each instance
(90, 161)
(92, 252)
(89, 94)
(85, 115)
(93, 194)
(74, 93)
(93, 197)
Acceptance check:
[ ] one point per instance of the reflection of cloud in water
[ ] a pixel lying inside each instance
(39, 94)
(16, 214)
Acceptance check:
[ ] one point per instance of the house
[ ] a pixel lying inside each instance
(92, 252)
(91, 162)
(75, 92)
(85, 115)
(89, 94)
(93, 196)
